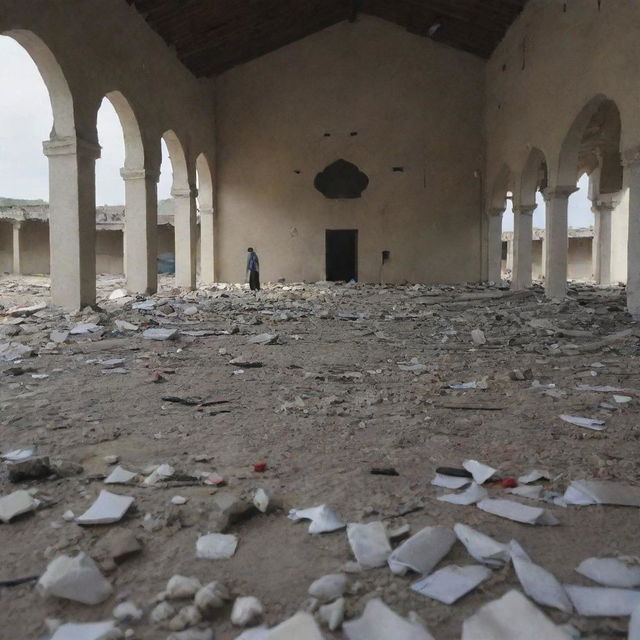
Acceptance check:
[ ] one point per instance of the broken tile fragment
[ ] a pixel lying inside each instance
(109, 507)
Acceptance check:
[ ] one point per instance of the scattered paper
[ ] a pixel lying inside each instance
(450, 482)
(471, 495)
(323, 519)
(120, 476)
(16, 504)
(512, 617)
(86, 631)
(603, 601)
(480, 472)
(19, 454)
(587, 423)
(450, 583)
(586, 492)
(533, 491)
(518, 512)
(301, 626)
(216, 546)
(422, 551)
(378, 622)
(108, 508)
(534, 476)
(161, 473)
(612, 572)
(369, 544)
(481, 547)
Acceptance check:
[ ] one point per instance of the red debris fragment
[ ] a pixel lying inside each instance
(508, 483)
(260, 467)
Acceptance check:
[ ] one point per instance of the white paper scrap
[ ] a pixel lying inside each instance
(480, 472)
(86, 631)
(603, 601)
(474, 493)
(481, 547)
(120, 476)
(450, 583)
(537, 582)
(518, 512)
(512, 617)
(422, 551)
(109, 507)
(534, 476)
(450, 482)
(532, 491)
(19, 454)
(585, 492)
(378, 622)
(369, 544)
(612, 572)
(587, 423)
(634, 625)
(323, 518)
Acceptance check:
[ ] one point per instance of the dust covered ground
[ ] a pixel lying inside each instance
(330, 401)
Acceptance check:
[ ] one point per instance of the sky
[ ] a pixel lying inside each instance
(26, 119)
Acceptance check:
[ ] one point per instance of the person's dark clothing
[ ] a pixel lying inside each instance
(254, 280)
(253, 267)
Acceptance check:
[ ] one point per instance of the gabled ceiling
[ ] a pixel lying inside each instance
(211, 36)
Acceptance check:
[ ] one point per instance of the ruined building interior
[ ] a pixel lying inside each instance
(423, 425)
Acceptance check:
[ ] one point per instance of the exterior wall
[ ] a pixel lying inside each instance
(35, 247)
(580, 266)
(109, 256)
(537, 268)
(6, 246)
(547, 68)
(413, 103)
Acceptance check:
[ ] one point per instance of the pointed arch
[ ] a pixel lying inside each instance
(133, 147)
(533, 178)
(54, 79)
(501, 184)
(205, 183)
(178, 160)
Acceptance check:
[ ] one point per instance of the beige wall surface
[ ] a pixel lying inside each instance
(580, 263)
(6, 246)
(109, 251)
(413, 103)
(555, 59)
(35, 247)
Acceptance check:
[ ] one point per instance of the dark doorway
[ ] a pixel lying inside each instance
(342, 254)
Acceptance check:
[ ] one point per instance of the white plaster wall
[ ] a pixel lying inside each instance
(414, 104)
(568, 58)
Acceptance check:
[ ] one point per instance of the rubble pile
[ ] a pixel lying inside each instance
(337, 461)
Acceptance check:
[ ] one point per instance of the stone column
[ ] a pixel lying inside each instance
(494, 245)
(18, 226)
(509, 262)
(522, 244)
(556, 238)
(207, 236)
(631, 182)
(141, 230)
(72, 220)
(184, 221)
(601, 243)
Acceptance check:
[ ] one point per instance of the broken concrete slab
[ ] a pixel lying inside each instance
(216, 546)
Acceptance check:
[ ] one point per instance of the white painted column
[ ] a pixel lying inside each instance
(72, 220)
(509, 262)
(631, 183)
(17, 246)
(184, 220)
(601, 244)
(556, 238)
(141, 230)
(494, 245)
(522, 245)
(207, 248)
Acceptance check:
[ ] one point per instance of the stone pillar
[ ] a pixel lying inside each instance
(18, 226)
(141, 230)
(556, 238)
(184, 220)
(207, 234)
(509, 264)
(522, 244)
(631, 182)
(72, 220)
(494, 245)
(601, 244)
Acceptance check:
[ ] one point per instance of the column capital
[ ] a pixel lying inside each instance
(631, 157)
(561, 191)
(495, 211)
(71, 145)
(17, 224)
(189, 192)
(525, 210)
(139, 174)
(600, 207)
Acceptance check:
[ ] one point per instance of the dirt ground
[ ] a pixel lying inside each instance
(329, 403)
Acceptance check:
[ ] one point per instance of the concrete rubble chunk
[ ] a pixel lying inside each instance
(332, 615)
(59, 337)
(265, 339)
(369, 544)
(162, 612)
(478, 337)
(511, 617)
(379, 622)
(108, 508)
(247, 611)
(11, 351)
(160, 334)
(127, 612)
(120, 476)
(84, 328)
(29, 469)
(77, 579)
(22, 311)
(118, 544)
(211, 597)
(188, 616)
(15, 504)
(329, 587)
(162, 472)
(216, 546)
(87, 631)
(301, 626)
(180, 587)
(123, 325)
(422, 551)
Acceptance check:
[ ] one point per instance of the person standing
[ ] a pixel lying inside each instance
(253, 270)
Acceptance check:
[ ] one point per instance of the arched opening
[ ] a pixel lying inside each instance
(35, 105)
(498, 203)
(592, 149)
(205, 210)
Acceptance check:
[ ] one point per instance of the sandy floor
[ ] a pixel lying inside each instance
(329, 403)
